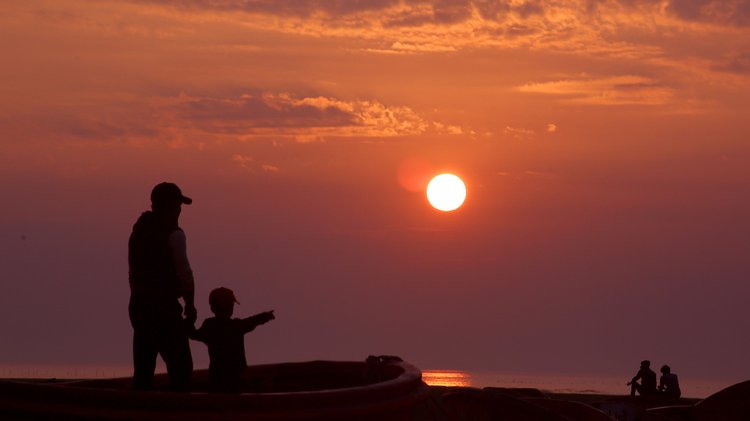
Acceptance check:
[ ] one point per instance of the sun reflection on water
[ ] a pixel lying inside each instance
(446, 378)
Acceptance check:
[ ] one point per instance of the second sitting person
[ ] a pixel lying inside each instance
(224, 336)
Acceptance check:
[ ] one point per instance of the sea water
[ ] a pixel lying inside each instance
(81, 371)
(556, 383)
(562, 383)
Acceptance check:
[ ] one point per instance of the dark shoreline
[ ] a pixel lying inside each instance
(583, 397)
(439, 403)
(590, 398)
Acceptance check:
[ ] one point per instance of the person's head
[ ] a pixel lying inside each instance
(645, 364)
(665, 369)
(167, 198)
(222, 302)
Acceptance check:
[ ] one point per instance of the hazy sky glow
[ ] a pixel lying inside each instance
(604, 145)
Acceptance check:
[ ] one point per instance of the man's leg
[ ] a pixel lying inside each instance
(145, 345)
(179, 361)
(635, 387)
(175, 350)
(144, 359)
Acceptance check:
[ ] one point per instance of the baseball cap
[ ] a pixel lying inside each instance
(168, 192)
(221, 296)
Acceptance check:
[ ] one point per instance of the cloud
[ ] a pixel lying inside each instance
(645, 33)
(434, 26)
(245, 161)
(619, 90)
(451, 11)
(582, 25)
(721, 12)
(518, 133)
(447, 128)
(551, 127)
(399, 46)
(263, 111)
(529, 175)
(279, 7)
(738, 63)
(82, 123)
(249, 163)
(305, 118)
(215, 46)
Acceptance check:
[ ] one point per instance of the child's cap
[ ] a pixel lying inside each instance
(222, 296)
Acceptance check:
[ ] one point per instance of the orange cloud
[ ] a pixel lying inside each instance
(647, 34)
(733, 12)
(518, 133)
(304, 119)
(289, 69)
(244, 161)
(529, 175)
(619, 90)
(249, 163)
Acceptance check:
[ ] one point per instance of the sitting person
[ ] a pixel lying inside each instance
(668, 384)
(225, 339)
(647, 386)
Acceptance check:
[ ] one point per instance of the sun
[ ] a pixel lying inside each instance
(446, 192)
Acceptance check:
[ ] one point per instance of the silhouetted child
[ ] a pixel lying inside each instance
(225, 339)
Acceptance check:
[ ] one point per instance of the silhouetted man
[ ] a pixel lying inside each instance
(160, 275)
(647, 386)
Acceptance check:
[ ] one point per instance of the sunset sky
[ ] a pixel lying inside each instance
(604, 144)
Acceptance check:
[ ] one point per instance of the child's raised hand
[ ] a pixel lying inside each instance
(268, 316)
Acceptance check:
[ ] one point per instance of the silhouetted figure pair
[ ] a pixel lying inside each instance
(160, 275)
(224, 336)
(668, 384)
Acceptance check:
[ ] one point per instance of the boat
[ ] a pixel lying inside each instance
(380, 388)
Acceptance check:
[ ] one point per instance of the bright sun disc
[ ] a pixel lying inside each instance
(446, 192)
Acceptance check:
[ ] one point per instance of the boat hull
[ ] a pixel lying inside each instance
(316, 390)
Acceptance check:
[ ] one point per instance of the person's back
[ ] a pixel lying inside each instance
(224, 337)
(151, 269)
(648, 382)
(669, 385)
